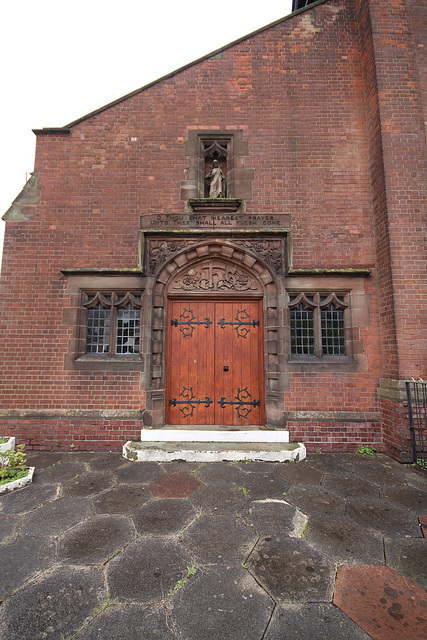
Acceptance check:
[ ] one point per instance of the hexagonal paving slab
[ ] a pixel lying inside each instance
(301, 473)
(219, 538)
(95, 540)
(164, 517)
(9, 527)
(139, 472)
(221, 602)
(122, 499)
(174, 485)
(291, 571)
(312, 621)
(21, 558)
(106, 461)
(384, 517)
(129, 622)
(275, 517)
(406, 498)
(343, 540)
(147, 571)
(350, 486)
(56, 605)
(409, 557)
(385, 604)
(220, 472)
(59, 472)
(28, 498)
(87, 484)
(263, 485)
(57, 516)
(316, 500)
(220, 498)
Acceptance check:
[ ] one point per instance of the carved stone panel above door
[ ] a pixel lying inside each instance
(214, 276)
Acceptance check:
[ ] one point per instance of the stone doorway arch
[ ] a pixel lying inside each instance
(223, 267)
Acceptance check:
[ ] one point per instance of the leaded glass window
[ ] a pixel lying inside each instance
(302, 331)
(113, 322)
(333, 331)
(98, 330)
(317, 325)
(127, 338)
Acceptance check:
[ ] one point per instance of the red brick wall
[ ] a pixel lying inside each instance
(305, 98)
(46, 434)
(344, 437)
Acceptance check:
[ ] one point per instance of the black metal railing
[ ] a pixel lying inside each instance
(416, 392)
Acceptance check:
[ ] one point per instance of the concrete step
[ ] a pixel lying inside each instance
(219, 434)
(157, 451)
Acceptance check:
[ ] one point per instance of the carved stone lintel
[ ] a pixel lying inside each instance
(270, 249)
(214, 276)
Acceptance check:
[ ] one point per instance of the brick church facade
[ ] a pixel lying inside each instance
(240, 242)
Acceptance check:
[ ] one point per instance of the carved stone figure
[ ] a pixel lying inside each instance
(216, 181)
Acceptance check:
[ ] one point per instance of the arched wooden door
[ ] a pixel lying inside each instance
(215, 372)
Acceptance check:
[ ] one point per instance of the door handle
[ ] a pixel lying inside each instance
(226, 368)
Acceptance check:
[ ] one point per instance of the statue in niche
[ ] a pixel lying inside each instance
(216, 181)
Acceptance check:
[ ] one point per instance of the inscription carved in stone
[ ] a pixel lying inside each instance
(214, 276)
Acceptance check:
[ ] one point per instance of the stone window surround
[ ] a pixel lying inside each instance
(80, 285)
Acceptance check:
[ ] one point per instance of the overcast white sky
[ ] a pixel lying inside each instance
(62, 60)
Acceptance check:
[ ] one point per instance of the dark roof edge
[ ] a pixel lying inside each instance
(67, 128)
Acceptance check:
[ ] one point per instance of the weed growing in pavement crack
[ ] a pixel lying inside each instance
(245, 491)
(181, 583)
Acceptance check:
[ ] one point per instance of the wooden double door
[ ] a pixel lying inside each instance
(215, 372)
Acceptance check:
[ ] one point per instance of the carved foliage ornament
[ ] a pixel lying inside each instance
(214, 276)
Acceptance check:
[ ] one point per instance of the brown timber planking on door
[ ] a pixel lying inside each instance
(204, 336)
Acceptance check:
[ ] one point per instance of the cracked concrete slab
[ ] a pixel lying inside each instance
(21, 558)
(57, 603)
(28, 498)
(343, 540)
(129, 622)
(312, 621)
(221, 602)
(292, 571)
(164, 517)
(57, 516)
(276, 517)
(96, 540)
(147, 571)
(122, 499)
(219, 538)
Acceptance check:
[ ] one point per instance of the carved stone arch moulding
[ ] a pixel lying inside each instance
(216, 269)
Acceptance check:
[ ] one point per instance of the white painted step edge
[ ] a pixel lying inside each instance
(208, 455)
(182, 435)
